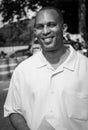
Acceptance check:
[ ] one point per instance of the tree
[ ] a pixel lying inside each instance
(2, 40)
(11, 8)
(18, 8)
(82, 16)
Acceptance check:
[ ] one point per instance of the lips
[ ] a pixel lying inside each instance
(48, 39)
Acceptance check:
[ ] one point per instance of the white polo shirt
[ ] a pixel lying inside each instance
(60, 97)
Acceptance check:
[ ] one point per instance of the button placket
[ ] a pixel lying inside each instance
(51, 100)
(51, 84)
(51, 95)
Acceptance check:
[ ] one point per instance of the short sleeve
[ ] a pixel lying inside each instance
(13, 100)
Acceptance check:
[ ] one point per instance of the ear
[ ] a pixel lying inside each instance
(65, 27)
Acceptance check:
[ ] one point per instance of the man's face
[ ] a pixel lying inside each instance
(48, 29)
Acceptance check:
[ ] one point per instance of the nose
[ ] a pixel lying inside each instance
(46, 30)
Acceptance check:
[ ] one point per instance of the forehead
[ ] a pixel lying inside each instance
(47, 16)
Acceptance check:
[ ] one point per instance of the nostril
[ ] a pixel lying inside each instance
(46, 34)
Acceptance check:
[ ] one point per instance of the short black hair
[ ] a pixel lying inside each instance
(52, 8)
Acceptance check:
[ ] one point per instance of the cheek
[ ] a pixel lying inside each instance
(39, 38)
(59, 34)
(56, 31)
(37, 33)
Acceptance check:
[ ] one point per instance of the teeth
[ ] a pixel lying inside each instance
(48, 39)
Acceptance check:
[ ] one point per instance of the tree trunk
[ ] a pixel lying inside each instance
(82, 16)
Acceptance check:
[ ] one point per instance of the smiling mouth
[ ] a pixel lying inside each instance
(48, 39)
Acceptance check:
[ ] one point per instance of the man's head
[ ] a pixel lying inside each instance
(49, 28)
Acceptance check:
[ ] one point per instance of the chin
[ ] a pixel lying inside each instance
(49, 45)
(48, 49)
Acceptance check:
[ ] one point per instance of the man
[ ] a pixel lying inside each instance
(49, 90)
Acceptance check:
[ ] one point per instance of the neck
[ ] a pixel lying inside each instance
(54, 57)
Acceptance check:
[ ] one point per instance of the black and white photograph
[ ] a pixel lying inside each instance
(43, 65)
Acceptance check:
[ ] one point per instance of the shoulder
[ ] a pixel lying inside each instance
(78, 54)
(82, 57)
(28, 64)
(82, 61)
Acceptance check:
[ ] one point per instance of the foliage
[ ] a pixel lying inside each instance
(18, 33)
(2, 40)
(11, 8)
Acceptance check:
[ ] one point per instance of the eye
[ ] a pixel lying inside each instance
(39, 26)
(51, 24)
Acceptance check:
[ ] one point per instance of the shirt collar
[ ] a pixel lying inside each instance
(41, 61)
(69, 63)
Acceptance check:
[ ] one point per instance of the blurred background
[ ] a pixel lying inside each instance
(17, 41)
(17, 20)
